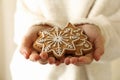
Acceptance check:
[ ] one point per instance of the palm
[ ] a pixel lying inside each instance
(96, 39)
(26, 46)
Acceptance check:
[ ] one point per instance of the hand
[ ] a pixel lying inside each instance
(96, 39)
(26, 47)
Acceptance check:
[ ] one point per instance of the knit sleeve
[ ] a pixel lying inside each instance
(27, 14)
(110, 29)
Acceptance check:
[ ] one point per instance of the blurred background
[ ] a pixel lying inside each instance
(7, 45)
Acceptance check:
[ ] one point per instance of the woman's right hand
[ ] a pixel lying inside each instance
(27, 50)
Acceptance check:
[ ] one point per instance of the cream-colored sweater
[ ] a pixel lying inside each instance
(103, 13)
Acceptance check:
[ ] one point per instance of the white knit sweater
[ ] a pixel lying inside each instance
(103, 13)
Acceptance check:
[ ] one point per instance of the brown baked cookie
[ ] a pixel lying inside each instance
(59, 42)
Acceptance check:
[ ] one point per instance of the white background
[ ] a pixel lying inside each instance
(7, 46)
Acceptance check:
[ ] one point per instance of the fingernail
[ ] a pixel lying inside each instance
(81, 59)
(44, 55)
(51, 60)
(24, 52)
(57, 63)
(97, 58)
(37, 58)
(43, 61)
(67, 61)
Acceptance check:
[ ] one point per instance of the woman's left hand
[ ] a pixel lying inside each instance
(96, 38)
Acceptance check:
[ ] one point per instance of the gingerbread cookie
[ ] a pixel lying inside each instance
(60, 42)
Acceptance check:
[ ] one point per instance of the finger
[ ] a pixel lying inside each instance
(51, 60)
(62, 59)
(67, 60)
(99, 48)
(43, 58)
(25, 48)
(86, 59)
(57, 63)
(42, 61)
(34, 56)
(44, 55)
(25, 51)
(73, 60)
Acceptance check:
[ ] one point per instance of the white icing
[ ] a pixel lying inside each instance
(80, 44)
(58, 40)
(86, 45)
(41, 40)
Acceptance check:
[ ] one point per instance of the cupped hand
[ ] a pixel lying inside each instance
(26, 48)
(90, 30)
(96, 38)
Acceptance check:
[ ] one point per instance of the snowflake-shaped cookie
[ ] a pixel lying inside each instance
(82, 47)
(60, 41)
